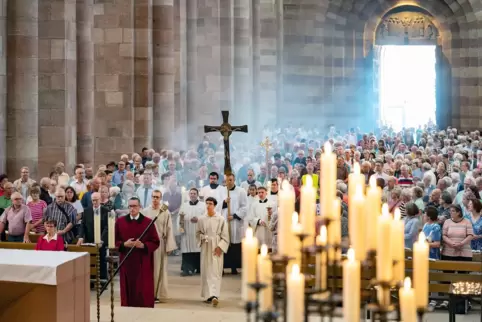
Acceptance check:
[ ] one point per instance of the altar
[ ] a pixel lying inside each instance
(44, 286)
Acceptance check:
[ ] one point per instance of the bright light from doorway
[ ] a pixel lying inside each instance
(407, 85)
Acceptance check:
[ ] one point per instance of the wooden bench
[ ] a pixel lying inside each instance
(70, 248)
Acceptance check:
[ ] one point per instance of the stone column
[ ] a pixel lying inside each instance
(180, 57)
(3, 86)
(257, 124)
(22, 86)
(227, 55)
(57, 101)
(279, 57)
(164, 74)
(191, 71)
(143, 129)
(85, 82)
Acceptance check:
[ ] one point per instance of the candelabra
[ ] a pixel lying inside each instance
(112, 259)
(97, 278)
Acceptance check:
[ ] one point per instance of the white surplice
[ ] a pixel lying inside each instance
(238, 206)
(168, 244)
(189, 243)
(273, 224)
(259, 212)
(212, 232)
(207, 191)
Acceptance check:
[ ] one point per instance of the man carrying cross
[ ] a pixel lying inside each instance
(234, 199)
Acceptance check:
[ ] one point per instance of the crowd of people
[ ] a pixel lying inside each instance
(433, 176)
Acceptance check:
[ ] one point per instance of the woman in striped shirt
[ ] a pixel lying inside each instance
(37, 208)
(457, 234)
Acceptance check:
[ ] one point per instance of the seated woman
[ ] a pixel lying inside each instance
(51, 241)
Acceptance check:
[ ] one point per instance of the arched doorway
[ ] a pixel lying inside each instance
(411, 77)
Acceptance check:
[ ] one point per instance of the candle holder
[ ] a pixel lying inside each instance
(97, 278)
(420, 314)
(112, 259)
(381, 310)
(250, 306)
(279, 285)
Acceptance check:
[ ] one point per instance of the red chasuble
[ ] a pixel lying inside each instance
(137, 273)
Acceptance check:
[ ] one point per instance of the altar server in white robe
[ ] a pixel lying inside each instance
(260, 215)
(238, 202)
(168, 244)
(213, 189)
(213, 238)
(273, 224)
(251, 180)
(189, 215)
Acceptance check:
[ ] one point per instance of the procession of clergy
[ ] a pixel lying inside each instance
(211, 233)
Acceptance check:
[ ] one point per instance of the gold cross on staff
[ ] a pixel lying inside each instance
(267, 145)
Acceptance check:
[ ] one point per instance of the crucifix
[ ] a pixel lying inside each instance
(226, 130)
(267, 145)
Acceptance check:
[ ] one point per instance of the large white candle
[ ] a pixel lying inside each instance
(308, 210)
(420, 271)
(334, 231)
(248, 273)
(372, 212)
(351, 288)
(286, 208)
(321, 258)
(97, 227)
(354, 179)
(384, 248)
(357, 224)
(398, 246)
(265, 274)
(327, 180)
(407, 302)
(111, 227)
(296, 295)
(294, 249)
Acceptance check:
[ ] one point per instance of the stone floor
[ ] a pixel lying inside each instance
(185, 303)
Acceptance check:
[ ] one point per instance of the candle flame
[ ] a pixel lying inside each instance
(356, 168)
(323, 234)
(421, 237)
(295, 270)
(398, 214)
(327, 148)
(373, 182)
(407, 283)
(294, 219)
(264, 250)
(285, 185)
(385, 211)
(309, 181)
(249, 233)
(351, 255)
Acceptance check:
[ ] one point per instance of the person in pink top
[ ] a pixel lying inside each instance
(457, 234)
(37, 208)
(51, 241)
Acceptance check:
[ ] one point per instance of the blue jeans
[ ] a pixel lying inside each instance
(15, 238)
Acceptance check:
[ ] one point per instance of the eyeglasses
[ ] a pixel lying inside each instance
(17, 199)
(133, 206)
(156, 197)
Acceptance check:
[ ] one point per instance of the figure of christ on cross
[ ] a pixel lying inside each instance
(226, 130)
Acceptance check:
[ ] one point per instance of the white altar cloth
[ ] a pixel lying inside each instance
(37, 267)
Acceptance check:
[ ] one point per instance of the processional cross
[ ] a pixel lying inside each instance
(267, 145)
(226, 130)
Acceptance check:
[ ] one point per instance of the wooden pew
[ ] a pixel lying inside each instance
(33, 237)
(70, 248)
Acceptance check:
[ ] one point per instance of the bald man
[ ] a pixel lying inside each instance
(18, 218)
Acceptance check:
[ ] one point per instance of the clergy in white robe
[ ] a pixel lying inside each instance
(251, 180)
(273, 224)
(212, 190)
(238, 203)
(189, 215)
(259, 216)
(168, 244)
(213, 238)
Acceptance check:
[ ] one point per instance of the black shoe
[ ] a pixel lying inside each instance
(234, 271)
(183, 274)
(157, 301)
(209, 300)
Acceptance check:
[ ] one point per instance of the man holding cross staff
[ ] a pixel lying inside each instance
(233, 198)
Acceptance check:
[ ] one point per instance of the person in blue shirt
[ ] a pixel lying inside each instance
(432, 230)
(412, 224)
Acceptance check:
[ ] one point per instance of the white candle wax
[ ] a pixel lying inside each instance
(265, 274)
(354, 179)
(248, 273)
(294, 249)
(334, 231)
(286, 208)
(320, 272)
(296, 294)
(308, 210)
(398, 247)
(183, 194)
(407, 302)
(97, 228)
(268, 187)
(111, 228)
(327, 180)
(420, 271)
(384, 248)
(357, 224)
(372, 212)
(351, 288)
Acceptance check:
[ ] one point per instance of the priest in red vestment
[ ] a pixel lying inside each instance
(137, 273)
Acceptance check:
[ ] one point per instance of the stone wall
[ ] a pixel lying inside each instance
(87, 80)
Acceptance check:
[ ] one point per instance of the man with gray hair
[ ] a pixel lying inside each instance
(63, 213)
(19, 219)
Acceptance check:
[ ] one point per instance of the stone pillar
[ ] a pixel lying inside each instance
(85, 82)
(180, 57)
(191, 72)
(164, 74)
(227, 55)
(57, 101)
(279, 57)
(3, 86)
(143, 129)
(257, 123)
(22, 86)
(243, 62)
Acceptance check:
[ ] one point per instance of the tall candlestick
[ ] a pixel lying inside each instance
(351, 288)
(111, 228)
(357, 224)
(327, 180)
(354, 179)
(407, 302)
(320, 271)
(286, 209)
(308, 210)
(296, 291)
(373, 206)
(294, 249)
(265, 274)
(248, 273)
(384, 254)
(97, 227)
(334, 231)
(420, 271)
(398, 247)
